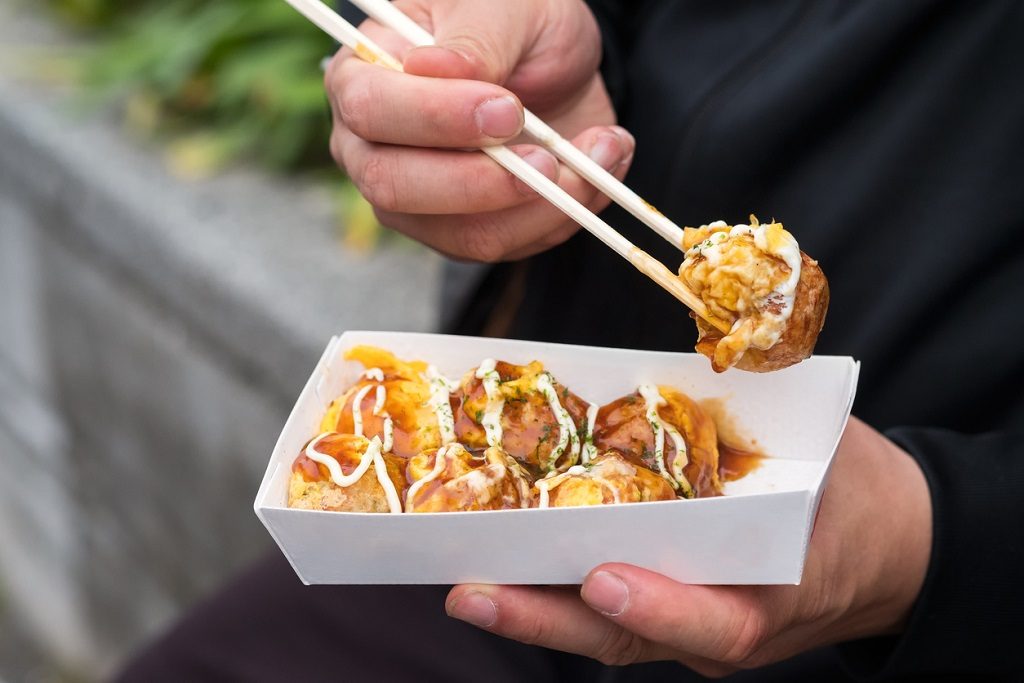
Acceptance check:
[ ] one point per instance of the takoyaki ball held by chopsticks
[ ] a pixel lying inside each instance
(667, 432)
(755, 278)
(756, 320)
(346, 473)
(607, 479)
(525, 411)
(451, 479)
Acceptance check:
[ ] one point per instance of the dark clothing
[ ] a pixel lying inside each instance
(267, 627)
(886, 135)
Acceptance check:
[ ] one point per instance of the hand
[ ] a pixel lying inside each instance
(865, 566)
(403, 137)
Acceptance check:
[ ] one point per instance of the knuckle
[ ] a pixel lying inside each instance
(745, 638)
(619, 647)
(377, 182)
(480, 243)
(487, 198)
(830, 598)
(536, 631)
(356, 102)
(481, 53)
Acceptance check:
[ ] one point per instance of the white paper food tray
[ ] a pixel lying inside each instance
(756, 534)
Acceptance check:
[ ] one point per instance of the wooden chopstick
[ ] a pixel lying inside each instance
(351, 37)
(387, 14)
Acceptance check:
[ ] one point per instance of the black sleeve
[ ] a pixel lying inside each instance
(887, 135)
(969, 616)
(618, 22)
(350, 13)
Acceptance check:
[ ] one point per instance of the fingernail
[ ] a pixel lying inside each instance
(606, 593)
(607, 150)
(628, 144)
(499, 117)
(474, 608)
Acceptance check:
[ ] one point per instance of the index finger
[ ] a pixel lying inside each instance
(381, 105)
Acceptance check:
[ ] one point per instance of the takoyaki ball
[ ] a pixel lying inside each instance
(606, 480)
(628, 426)
(352, 483)
(755, 279)
(540, 420)
(389, 388)
(798, 338)
(451, 479)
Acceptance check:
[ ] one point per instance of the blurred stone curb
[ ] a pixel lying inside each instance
(153, 335)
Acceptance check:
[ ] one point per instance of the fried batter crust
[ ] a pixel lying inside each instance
(810, 305)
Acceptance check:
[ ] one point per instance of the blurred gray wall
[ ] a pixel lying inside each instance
(153, 336)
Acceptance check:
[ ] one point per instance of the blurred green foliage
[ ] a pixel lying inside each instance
(223, 80)
(218, 82)
(90, 12)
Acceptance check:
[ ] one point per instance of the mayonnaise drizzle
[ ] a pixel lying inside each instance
(380, 399)
(589, 449)
(389, 425)
(654, 399)
(440, 400)
(547, 483)
(440, 460)
(381, 468)
(766, 335)
(567, 435)
(788, 252)
(389, 434)
(357, 410)
(495, 401)
(332, 464)
(373, 454)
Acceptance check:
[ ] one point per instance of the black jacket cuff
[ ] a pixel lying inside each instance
(969, 616)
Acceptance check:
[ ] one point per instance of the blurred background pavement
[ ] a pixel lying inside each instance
(166, 285)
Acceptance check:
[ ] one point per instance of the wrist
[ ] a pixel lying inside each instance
(902, 526)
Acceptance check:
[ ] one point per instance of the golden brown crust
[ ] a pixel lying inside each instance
(701, 436)
(529, 427)
(311, 486)
(475, 477)
(810, 304)
(407, 403)
(490, 481)
(622, 426)
(609, 479)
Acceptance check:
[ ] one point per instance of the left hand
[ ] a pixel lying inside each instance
(864, 569)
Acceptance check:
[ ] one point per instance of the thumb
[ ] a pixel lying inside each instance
(717, 623)
(481, 41)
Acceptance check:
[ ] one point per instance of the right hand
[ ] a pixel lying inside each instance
(403, 137)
